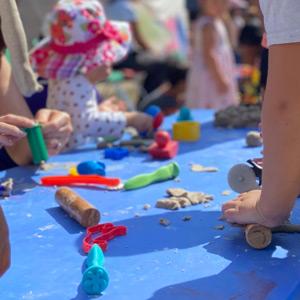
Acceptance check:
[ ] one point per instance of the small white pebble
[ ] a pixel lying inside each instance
(146, 206)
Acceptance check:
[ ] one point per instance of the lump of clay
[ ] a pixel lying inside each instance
(176, 192)
(180, 198)
(168, 204)
(242, 116)
(254, 139)
(198, 198)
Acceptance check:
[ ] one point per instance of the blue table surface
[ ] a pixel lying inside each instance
(187, 260)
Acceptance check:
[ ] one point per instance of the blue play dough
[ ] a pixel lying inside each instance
(91, 168)
(116, 153)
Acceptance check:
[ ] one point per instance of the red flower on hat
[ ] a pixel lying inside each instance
(57, 33)
(40, 56)
(94, 27)
(65, 19)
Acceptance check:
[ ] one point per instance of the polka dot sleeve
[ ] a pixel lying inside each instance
(79, 98)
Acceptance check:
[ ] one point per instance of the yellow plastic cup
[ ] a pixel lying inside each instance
(186, 131)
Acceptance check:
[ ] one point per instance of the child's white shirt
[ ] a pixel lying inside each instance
(78, 97)
(282, 21)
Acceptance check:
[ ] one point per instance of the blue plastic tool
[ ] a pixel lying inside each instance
(153, 110)
(116, 153)
(91, 168)
(95, 278)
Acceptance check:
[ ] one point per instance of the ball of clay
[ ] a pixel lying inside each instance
(254, 139)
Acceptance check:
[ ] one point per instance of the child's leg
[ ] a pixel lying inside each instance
(281, 128)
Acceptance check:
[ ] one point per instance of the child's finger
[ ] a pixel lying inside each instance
(228, 205)
(56, 122)
(10, 130)
(231, 215)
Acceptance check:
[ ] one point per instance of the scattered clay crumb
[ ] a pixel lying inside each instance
(6, 188)
(45, 167)
(187, 218)
(177, 179)
(167, 204)
(137, 215)
(147, 207)
(254, 139)
(164, 222)
(102, 145)
(199, 168)
(219, 227)
(132, 131)
(226, 193)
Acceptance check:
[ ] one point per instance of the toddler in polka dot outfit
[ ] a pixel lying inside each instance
(78, 54)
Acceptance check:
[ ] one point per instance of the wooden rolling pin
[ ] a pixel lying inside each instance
(260, 237)
(78, 208)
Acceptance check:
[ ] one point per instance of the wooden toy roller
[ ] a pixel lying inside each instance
(78, 208)
(260, 237)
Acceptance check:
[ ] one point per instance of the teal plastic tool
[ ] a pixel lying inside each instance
(185, 114)
(37, 144)
(95, 278)
(167, 172)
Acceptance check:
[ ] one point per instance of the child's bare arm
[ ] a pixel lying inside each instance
(281, 128)
(209, 40)
(281, 124)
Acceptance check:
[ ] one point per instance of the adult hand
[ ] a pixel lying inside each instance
(10, 129)
(57, 128)
(4, 245)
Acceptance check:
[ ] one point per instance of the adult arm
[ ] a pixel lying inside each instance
(4, 245)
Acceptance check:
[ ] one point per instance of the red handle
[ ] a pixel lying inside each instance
(81, 179)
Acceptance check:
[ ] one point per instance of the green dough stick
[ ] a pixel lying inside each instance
(37, 144)
(164, 173)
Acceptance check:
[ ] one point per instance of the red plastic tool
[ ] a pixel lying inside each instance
(158, 120)
(163, 147)
(101, 234)
(81, 179)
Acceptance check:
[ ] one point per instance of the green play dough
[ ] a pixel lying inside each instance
(167, 172)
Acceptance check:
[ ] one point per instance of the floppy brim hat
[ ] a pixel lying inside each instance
(80, 40)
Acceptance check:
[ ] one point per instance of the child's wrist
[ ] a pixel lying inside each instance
(268, 217)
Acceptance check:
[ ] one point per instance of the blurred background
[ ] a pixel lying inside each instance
(166, 42)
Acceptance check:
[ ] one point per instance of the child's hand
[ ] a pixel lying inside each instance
(244, 210)
(112, 104)
(10, 131)
(140, 121)
(222, 86)
(57, 128)
(4, 245)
